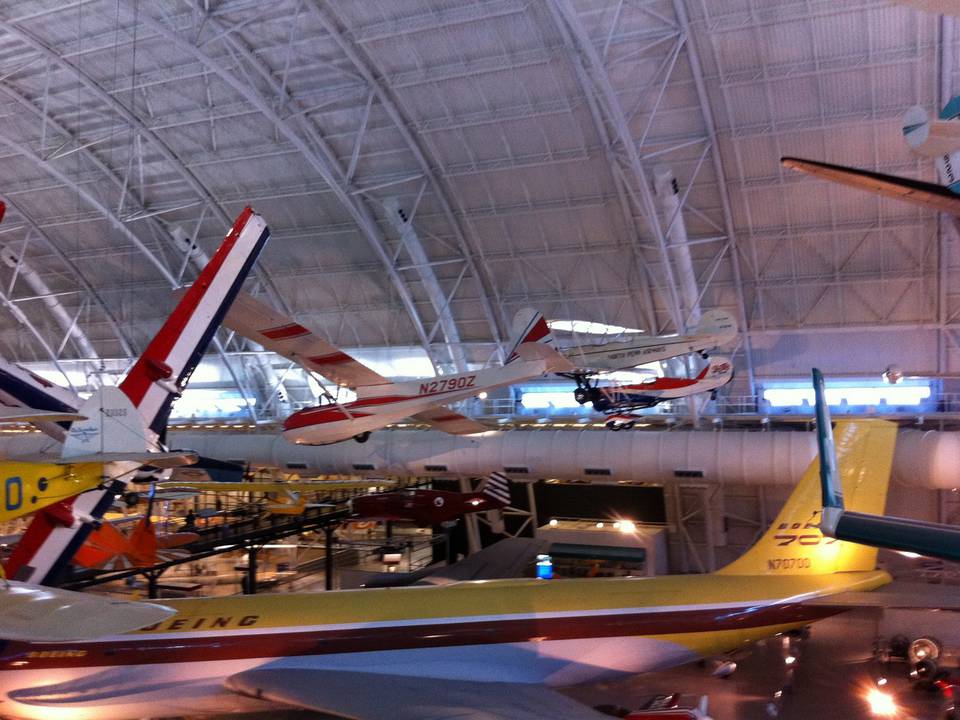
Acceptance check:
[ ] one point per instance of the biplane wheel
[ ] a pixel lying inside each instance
(580, 395)
(613, 425)
(362, 437)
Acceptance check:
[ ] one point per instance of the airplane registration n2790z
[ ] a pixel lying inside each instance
(381, 402)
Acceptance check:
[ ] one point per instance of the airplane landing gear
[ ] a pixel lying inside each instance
(620, 423)
(580, 395)
(362, 437)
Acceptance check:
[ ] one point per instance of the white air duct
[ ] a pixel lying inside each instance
(923, 459)
(51, 300)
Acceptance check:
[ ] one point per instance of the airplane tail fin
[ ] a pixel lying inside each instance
(160, 374)
(112, 425)
(529, 326)
(156, 380)
(794, 544)
(717, 322)
(532, 340)
(496, 486)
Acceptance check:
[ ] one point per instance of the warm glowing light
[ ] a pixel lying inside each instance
(554, 522)
(482, 396)
(599, 524)
(881, 703)
(627, 526)
(881, 681)
(908, 554)
(790, 659)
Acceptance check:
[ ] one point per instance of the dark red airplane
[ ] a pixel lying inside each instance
(433, 507)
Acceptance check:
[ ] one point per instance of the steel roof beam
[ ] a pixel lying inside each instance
(134, 121)
(364, 65)
(314, 149)
(593, 76)
(32, 226)
(693, 57)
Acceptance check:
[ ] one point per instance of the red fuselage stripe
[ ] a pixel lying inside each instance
(235, 645)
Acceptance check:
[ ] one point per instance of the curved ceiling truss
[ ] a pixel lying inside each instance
(521, 142)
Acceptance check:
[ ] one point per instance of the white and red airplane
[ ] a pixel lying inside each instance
(381, 402)
(617, 401)
(715, 329)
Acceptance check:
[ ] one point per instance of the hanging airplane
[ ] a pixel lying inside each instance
(715, 329)
(491, 649)
(143, 401)
(937, 139)
(381, 402)
(433, 507)
(618, 400)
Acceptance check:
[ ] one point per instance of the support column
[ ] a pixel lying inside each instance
(251, 588)
(328, 556)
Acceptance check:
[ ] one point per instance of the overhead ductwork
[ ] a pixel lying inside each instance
(923, 458)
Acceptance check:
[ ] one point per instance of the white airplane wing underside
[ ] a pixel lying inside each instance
(45, 614)
(448, 421)
(272, 329)
(372, 696)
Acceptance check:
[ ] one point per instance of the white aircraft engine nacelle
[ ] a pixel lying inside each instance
(930, 138)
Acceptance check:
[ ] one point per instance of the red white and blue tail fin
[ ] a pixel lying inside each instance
(155, 381)
(163, 370)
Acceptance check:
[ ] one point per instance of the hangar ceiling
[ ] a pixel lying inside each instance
(520, 138)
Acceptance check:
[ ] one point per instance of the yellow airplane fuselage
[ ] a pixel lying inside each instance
(558, 633)
(27, 487)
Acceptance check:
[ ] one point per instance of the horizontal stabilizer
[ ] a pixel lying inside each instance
(531, 352)
(159, 460)
(46, 614)
(25, 414)
(929, 195)
(451, 422)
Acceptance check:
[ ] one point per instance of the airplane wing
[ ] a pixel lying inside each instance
(898, 595)
(314, 486)
(450, 422)
(176, 458)
(929, 195)
(46, 614)
(262, 324)
(27, 414)
(373, 696)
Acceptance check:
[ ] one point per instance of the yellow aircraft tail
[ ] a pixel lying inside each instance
(794, 545)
